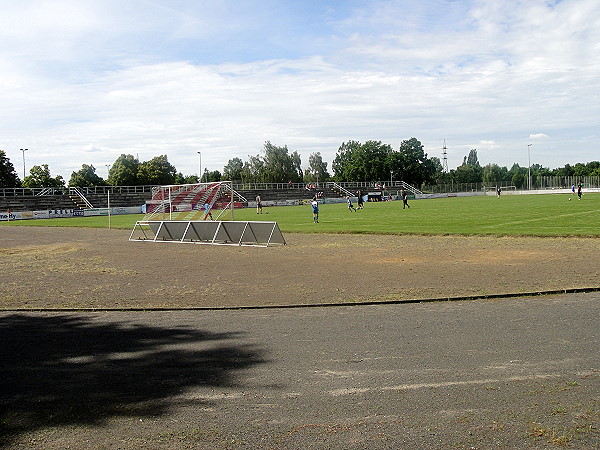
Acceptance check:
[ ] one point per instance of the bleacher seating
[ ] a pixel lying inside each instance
(48, 202)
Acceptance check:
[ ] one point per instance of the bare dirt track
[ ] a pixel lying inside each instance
(510, 373)
(97, 268)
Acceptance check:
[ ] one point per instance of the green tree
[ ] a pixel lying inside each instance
(279, 165)
(594, 168)
(472, 158)
(347, 162)
(86, 176)
(412, 164)
(493, 173)
(317, 169)
(253, 170)
(518, 179)
(469, 171)
(439, 176)
(124, 171)
(363, 162)
(211, 176)
(580, 170)
(158, 170)
(189, 179)
(566, 171)
(233, 170)
(8, 175)
(39, 177)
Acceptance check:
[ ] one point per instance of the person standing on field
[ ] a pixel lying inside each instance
(258, 205)
(579, 191)
(315, 210)
(359, 202)
(404, 196)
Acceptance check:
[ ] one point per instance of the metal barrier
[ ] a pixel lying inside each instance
(258, 234)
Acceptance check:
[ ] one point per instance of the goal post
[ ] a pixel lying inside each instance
(197, 201)
(201, 213)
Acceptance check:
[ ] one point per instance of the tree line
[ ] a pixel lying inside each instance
(354, 162)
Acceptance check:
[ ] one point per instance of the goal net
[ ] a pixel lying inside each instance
(199, 201)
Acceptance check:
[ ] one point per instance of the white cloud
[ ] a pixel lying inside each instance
(88, 83)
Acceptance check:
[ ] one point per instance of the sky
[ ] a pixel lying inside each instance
(84, 82)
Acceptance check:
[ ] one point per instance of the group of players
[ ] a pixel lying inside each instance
(360, 204)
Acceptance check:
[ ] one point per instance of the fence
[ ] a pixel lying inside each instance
(19, 192)
(537, 183)
(545, 182)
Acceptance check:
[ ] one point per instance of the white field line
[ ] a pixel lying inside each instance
(538, 219)
(415, 386)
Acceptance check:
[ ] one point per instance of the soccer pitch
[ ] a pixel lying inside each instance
(525, 215)
(509, 215)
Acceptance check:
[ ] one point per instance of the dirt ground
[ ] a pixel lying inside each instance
(514, 373)
(97, 268)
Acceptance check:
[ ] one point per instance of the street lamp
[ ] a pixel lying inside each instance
(107, 170)
(24, 150)
(200, 167)
(529, 166)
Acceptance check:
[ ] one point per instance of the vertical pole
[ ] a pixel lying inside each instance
(232, 207)
(200, 167)
(24, 150)
(108, 210)
(528, 167)
(170, 205)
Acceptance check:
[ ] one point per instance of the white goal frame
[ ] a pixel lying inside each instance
(195, 201)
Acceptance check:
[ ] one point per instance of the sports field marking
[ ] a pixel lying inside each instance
(414, 386)
(541, 218)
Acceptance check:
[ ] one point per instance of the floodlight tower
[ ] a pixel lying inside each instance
(445, 158)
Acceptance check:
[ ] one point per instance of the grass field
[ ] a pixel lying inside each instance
(518, 215)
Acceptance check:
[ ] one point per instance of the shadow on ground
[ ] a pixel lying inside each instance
(67, 370)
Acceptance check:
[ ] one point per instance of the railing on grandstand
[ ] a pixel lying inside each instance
(17, 192)
(546, 182)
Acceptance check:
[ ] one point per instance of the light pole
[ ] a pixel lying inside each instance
(529, 166)
(107, 170)
(200, 167)
(24, 150)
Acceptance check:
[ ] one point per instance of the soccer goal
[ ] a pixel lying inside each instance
(199, 201)
(201, 213)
